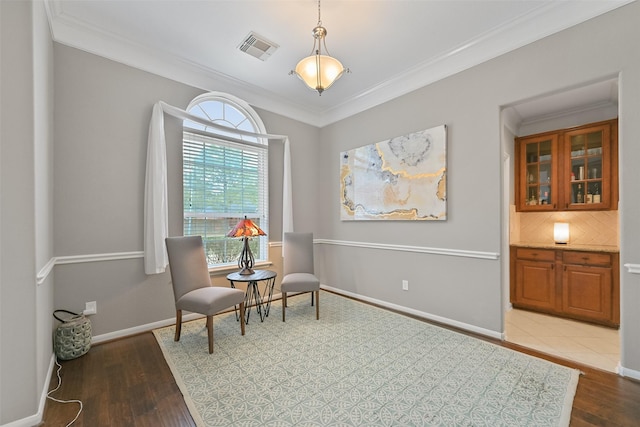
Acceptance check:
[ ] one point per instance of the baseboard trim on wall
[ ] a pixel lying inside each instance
(36, 419)
(417, 313)
(30, 421)
(406, 248)
(192, 316)
(122, 333)
(630, 373)
(439, 319)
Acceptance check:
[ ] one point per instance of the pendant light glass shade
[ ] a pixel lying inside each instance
(319, 71)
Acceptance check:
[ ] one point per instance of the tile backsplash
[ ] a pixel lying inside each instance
(585, 228)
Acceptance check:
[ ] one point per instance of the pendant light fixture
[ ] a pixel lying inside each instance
(319, 70)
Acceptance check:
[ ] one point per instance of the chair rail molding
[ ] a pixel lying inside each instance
(633, 268)
(406, 248)
(44, 272)
(76, 259)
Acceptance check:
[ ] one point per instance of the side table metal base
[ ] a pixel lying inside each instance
(262, 301)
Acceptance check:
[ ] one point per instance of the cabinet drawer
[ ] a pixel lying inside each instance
(535, 254)
(586, 258)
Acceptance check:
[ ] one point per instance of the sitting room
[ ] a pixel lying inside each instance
(350, 213)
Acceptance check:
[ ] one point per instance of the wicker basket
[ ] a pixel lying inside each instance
(73, 337)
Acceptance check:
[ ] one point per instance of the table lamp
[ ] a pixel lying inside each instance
(245, 228)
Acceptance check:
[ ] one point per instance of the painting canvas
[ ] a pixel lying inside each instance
(402, 178)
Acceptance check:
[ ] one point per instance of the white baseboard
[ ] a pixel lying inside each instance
(630, 373)
(30, 421)
(142, 328)
(34, 420)
(421, 314)
(37, 418)
(162, 323)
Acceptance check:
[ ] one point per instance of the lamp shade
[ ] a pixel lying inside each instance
(246, 228)
(561, 232)
(319, 72)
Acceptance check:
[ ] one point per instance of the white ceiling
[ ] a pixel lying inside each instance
(391, 46)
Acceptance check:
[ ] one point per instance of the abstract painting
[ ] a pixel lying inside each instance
(402, 178)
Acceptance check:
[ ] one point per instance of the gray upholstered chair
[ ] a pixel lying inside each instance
(192, 288)
(297, 269)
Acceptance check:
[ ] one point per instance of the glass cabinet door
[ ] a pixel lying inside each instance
(568, 169)
(586, 152)
(537, 182)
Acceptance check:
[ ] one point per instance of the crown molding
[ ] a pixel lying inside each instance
(528, 28)
(539, 23)
(74, 33)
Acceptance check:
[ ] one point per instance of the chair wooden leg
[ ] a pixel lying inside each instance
(311, 299)
(317, 305)
(210, 332)
(241, 317)
(284, 303)
(178, 325)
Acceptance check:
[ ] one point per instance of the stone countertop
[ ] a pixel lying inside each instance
(567, 247)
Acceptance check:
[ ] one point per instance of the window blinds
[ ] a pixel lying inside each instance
(222, 178)
(155, 191)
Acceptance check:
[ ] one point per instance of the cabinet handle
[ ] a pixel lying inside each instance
(554, 206)
(553, 266)
(565, 268)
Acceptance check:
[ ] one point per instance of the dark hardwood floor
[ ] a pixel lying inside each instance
(127, 382)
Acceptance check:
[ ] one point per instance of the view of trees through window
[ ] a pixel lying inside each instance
(225, 178)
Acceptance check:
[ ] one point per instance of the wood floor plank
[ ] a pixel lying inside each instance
(127, 382)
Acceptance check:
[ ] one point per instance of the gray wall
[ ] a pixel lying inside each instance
(460, 289)
(306, 173)
(102, 111)
(469, 103)
(26, 244)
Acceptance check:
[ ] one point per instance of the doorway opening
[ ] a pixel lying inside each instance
(582, 342)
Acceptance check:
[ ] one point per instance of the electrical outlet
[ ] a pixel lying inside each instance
(405, 285)
(90, 308)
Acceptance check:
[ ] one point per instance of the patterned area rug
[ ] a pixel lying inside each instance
(359, 365)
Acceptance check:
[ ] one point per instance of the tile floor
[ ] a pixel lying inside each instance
(592, 345)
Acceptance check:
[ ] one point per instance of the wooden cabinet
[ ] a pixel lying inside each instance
(535, 283)
(537, 159)
(578, 284)
(569, 169)
(588, 289)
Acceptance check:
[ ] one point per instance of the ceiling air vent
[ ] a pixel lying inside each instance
(258, 46)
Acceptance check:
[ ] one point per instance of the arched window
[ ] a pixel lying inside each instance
(225, 176)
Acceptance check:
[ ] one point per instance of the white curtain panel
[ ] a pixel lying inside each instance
(156, 215)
